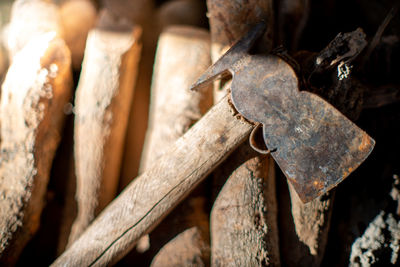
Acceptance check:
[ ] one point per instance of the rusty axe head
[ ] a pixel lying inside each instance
(314, 144)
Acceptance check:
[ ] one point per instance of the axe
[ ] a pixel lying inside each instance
(314, 144)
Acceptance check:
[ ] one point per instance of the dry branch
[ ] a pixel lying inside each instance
(36, 88)
(102, 102)
(136, 212)
(183, 54)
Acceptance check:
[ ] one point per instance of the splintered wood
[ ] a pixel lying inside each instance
(31, 124)
(102, 101)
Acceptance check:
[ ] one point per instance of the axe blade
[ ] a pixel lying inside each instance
(226, 64)
(315, 145)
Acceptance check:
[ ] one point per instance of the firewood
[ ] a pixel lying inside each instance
(30, 18)
(183, 54)
(248, 237)
(243, 218)
(311, 227)
(102, 102)
(78, 17)
(31, 123)
(182, 167)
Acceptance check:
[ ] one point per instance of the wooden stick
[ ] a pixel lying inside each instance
(102, 102)
(136, 212)
(36, 88)
(244, 229)
(78, 17)
(183, 54)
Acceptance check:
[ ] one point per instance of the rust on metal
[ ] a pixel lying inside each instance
(312, 142)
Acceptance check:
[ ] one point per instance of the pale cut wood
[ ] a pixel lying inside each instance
(35, 90)
(183, 54)
(30, 18)
(247, 234)
(77, 18)
(102, 102)
(136, 211)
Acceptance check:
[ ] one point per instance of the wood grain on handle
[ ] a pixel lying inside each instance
(136, 211)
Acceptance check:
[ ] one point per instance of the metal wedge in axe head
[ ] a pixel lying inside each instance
(315, 145)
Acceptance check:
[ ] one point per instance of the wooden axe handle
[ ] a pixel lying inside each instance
(170, 179)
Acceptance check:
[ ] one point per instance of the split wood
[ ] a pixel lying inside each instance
(103, 99)
(32, 119)
(136, 212)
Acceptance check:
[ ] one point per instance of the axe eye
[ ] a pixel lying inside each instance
(256, 138)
